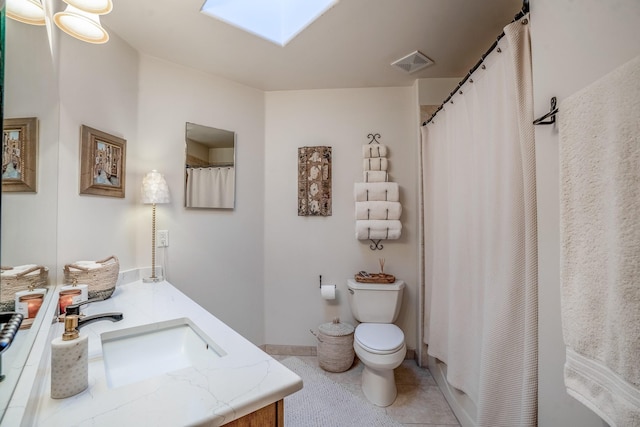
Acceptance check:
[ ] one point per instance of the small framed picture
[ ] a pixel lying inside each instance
(19, 155)
(102, 163)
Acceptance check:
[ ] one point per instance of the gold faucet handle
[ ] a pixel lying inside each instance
(70, 328)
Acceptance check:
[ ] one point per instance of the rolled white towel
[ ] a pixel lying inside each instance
(378, 229)
(17, 270)
(375, 164)
(374, 150)
(375, 176)
(90, 265)
(376, 192)
(378, 210)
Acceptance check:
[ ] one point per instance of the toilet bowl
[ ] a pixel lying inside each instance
(381, 348)
(378, 343)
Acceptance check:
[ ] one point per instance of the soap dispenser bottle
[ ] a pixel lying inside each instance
(69, 361)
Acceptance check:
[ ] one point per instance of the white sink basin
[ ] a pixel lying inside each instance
(135, 354)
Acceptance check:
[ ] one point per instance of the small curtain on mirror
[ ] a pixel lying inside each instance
(314, 181)
(210, 187)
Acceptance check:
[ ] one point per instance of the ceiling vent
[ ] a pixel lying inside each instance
(413, 62)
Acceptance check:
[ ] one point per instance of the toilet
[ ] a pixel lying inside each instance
(378, 343)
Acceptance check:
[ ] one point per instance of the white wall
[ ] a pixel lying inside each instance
(98, 87)
(215, 256)
(573, 44)
(434, 91)
(299, 249)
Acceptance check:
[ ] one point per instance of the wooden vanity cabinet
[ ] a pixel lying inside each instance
(269, 416)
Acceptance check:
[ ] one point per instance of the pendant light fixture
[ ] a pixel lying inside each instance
(26, 11)
(81, 19)
(99, 7)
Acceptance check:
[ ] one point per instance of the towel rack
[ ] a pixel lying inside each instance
(376, 245)
(374, 138)
(551, 115)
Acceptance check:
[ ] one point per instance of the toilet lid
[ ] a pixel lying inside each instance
(379, 337)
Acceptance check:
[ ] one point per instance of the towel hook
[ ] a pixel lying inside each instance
(551, 115)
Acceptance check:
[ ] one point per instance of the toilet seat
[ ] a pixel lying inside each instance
(379, 338)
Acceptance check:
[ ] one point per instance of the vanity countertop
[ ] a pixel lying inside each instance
(242, 381)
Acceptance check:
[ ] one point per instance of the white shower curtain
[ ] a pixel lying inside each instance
(480, 236)
(210, 187)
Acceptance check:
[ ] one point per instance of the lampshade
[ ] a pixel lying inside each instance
(99, 7)
(81, 25)
(26, 11)
(154, 188)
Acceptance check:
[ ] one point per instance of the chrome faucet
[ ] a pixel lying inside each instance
(114, 317)
(74, 310)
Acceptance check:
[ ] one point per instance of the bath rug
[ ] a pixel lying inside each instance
(325, 403)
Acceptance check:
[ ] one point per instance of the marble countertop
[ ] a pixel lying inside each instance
(242, 381)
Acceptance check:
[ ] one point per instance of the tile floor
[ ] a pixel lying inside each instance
(420, 402)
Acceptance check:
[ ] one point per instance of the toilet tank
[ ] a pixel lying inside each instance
(375, 302)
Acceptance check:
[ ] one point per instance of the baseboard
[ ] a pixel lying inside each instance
(305, 350)
(463, 408)
(289, 350)
(423, 361)
(411, 354)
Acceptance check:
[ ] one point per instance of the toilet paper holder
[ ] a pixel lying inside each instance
(328, 292)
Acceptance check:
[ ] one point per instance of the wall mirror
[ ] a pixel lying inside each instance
(29, 219)
(209, 167)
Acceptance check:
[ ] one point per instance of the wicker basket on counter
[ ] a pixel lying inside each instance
(335, 346)
(29, 279)
(101, 281)
(375, 278)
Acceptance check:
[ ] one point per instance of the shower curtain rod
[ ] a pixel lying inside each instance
(212, 165)
(523, 12)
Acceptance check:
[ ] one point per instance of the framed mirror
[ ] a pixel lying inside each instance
(29, 219)
(210, 167)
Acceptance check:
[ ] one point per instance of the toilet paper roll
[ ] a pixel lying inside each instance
(328, 291)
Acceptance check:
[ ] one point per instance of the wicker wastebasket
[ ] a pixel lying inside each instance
(335, 346)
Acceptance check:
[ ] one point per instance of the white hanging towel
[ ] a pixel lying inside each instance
(600, 244)
(378, 210)
(375, 164)
(375, 176)
(376, 191)
(378, 229)
(374, 150)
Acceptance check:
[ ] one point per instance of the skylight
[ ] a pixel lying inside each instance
(278, 21)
